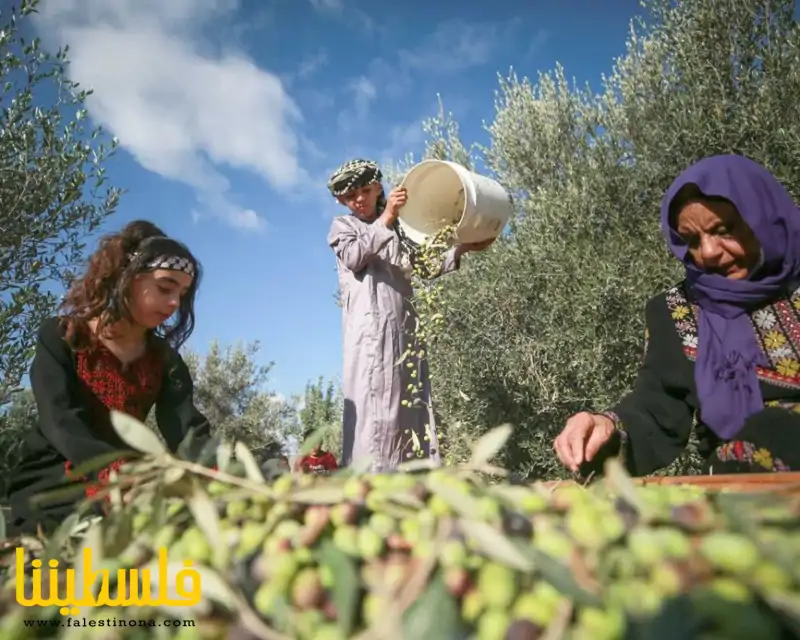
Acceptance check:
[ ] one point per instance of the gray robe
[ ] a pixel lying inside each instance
(375, 288)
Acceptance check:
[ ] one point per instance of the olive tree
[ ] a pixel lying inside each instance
(232, 390)
(320, 409)
(53, 190)
(15, 420)
(549, 321)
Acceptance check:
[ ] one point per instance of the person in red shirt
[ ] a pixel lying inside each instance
(317, 461)
(113, 346)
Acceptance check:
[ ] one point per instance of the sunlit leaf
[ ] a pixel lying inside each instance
(93, 542)
(136, 435)
(251, 467)
(787, 605)
(403, 357)
(494, 544)
(345, 588)
(618, 478)
(67, 492)
(434, 614)
(319, 495)
(95, 464)
(414, 465)
(561, 577)
(490, 444)
(115, 493)
(362, 465)
(313, 441)
(461, 503)
(224, 456)
(174, 475)
(59, 538)
(205, 516)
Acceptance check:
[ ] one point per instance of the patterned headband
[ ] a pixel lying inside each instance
(169, 262)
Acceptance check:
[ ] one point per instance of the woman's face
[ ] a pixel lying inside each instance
(156, 295)
(718, 238)
(362, 201)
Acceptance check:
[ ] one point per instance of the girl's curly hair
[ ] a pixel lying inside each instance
(104, 290)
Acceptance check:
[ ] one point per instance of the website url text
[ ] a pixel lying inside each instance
(108, 622)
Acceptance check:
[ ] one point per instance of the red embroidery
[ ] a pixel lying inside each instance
(102, 477)
(109, 385)
(739, 451)
(132, 391)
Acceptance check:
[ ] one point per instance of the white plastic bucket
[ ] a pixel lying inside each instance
(441, 193)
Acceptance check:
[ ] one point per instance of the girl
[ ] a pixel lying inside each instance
(375, 283)
(113, 347)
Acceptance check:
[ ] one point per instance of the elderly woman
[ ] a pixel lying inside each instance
(721, 347)
(374, 266)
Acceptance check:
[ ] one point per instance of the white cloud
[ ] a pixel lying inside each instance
(246, 219)
(364, 92)
(538, 40)
(353, 16)
(402, 138)
(453, 46)
(312, 64)
(456, 45)
(180, 108)
(327, 5)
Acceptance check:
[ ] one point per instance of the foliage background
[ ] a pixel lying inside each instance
(550, 320)
(53, 190)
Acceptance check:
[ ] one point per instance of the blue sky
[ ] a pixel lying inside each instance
(231, 114)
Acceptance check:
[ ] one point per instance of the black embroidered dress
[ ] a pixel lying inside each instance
(74, 393)
(655, 419)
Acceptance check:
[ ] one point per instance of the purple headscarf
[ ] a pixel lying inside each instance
(728, 351)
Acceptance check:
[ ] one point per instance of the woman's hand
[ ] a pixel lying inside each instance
(397, 198)
(583, 436)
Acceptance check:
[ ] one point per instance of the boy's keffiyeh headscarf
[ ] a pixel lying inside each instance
(360, 173)
(354, 174)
